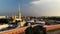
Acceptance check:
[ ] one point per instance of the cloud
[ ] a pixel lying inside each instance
(42, 8)
(35, 2)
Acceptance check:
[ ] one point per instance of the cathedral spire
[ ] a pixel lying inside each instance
(19, 13)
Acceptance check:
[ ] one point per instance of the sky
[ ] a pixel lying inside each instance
(30, 7)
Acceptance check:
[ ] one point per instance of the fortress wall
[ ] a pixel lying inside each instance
(17, 31)
(51, 27)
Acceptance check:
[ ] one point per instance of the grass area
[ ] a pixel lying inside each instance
(53, 30)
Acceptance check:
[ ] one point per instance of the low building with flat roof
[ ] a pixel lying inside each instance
(2, 16)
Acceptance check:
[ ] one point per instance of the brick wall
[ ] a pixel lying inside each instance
(17, 31)
(51, 27)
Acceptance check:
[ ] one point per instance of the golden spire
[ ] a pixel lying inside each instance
(19, 13)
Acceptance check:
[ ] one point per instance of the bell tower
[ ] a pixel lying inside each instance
(19, 13)
(21, 23)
